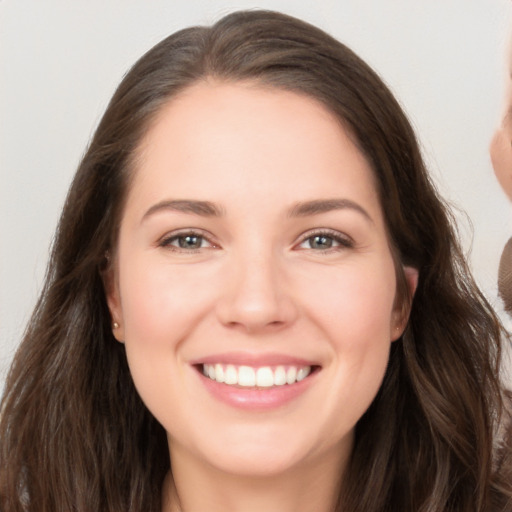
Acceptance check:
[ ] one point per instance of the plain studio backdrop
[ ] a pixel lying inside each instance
(60, 62)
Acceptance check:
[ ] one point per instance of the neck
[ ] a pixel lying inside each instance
(195, 486)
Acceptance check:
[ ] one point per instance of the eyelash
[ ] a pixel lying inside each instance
(341, 241)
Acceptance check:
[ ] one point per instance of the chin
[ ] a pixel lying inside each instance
(267, 452)
(255, 462)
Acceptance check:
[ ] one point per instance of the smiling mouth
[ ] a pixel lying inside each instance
(260, 377)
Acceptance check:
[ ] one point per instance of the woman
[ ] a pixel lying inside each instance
(228, 321)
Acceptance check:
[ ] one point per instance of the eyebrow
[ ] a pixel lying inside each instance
(202, 208)
(318, 206)
(301, 209)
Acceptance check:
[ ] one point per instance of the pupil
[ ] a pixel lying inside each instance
(190, 242)
(321, 242)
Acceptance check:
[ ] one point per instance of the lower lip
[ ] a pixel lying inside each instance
(257, 398)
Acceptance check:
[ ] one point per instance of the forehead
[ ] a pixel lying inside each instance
(223, 140)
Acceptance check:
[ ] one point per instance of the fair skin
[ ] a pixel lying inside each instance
(253, 237)
(501, 143)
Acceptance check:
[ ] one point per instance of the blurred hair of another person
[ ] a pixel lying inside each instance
(501, 156)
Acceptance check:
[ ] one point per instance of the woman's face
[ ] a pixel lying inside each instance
(501, 144)
(253, 248)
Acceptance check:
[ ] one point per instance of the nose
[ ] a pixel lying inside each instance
(257, 296)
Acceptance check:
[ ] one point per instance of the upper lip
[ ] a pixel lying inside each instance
(254, 360)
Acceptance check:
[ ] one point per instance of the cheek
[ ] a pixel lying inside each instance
(362, 331)
(360, 315)
(357, 318)
(357, 303)
(161, 304)
(161, 307)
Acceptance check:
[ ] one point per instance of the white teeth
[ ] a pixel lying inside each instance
(231, 376)
(246, 376)
(219, 373)
(279, 376)
(263, 377)
(291, 375)
(303, 373)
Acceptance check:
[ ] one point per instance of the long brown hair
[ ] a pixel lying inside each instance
(74, 433)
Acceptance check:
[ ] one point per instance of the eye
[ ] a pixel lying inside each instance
(189, 241)
(320, 242)
(325, 240)
(186, 241)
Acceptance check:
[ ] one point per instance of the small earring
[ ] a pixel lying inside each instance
(115, 325)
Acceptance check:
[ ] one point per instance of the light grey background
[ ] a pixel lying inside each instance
(60, 62)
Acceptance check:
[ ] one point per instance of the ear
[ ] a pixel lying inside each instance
(403, 309)
(111, 286)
